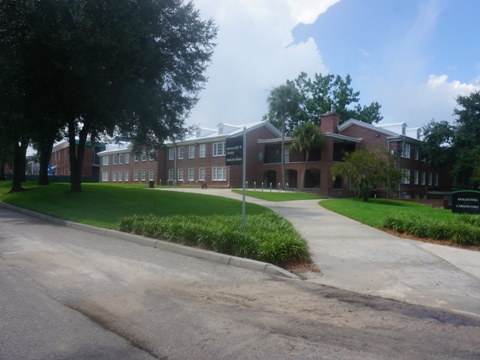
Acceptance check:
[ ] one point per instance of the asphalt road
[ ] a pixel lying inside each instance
(66, 294)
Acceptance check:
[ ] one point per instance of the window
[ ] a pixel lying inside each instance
(415, 177)
(170, 175)
(144, 175)
(126, 175)
(180, 174)
(181, 151)
(150, 175)
(115, 159)
(417, 154)
(406, 176)
(406, 151)
(423, 178)
(430, 178)
(203, 150)
(105, 160)
(219, 173)
(135, 157)
(219, 149)
(171, 154)
(191, 152)
(105, 176)
(127, 158)
(144, 155)
(120, 176)
(436, 179)
(120, 158)
(114, 176)
(201, 174)
(151, 155)
(191, 174)
(135, 175)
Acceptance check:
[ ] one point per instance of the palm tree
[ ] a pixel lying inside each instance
(283, 102)
(307, 136)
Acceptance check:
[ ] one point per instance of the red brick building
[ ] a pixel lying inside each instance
(200, 158)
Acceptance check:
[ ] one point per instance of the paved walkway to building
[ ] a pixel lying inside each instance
(358, 258)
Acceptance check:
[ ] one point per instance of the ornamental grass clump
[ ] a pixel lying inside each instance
(463, 229)
(266, 237)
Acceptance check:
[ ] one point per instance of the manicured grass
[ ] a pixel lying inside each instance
(411, 218)
(105, 204)
(374, 211)
(279, 195)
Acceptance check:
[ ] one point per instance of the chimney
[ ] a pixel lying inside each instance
(329, 122)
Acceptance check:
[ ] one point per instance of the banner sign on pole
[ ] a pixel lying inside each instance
(234, 151)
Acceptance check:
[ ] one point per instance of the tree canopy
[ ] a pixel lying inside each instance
(97, 66)
(366, 169)
(456, 146)
(319, 96)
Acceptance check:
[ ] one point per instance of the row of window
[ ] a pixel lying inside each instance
(218, 174)
(121, 158)
(124, 175)
(218, 149)
(432, 180)
(406, 152)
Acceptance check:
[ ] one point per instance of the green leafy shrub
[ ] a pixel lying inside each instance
(465, 230)
(266, 237)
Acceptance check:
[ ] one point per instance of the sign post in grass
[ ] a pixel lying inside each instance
(236, 153)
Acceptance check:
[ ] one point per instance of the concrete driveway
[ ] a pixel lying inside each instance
(355, 257)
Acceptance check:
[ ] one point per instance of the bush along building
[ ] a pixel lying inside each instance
(200, 158)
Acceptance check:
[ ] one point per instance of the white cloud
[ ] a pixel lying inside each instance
(417, 104)
(254, 55)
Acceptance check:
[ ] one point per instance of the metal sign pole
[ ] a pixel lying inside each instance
(244, 170)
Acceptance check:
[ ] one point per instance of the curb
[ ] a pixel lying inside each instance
(163, 245)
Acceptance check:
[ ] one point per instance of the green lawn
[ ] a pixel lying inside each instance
(375, 211)
(105, 204)
(279, 195)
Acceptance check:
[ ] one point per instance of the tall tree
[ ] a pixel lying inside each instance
(283, 105)
(307, 136)
(324, 93)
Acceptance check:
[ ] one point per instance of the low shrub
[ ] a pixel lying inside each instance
(266, 237)
(464, 229)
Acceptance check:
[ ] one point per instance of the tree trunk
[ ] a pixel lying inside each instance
(19, 151)
(77, 153)
(45, 154)
(2, 169)
(302, 183)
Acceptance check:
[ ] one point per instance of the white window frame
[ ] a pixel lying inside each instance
(202, 151)
(171, 175)
(406, 176)
(114, 176)
(201, 174)
(180, 174)
(191, 174)
(114, 161)
(191, 152)
(135, 175)
(417, 154)
(143, 175)
(430, 179)
(151, 155)
(436, 179)
(105, 176)
(423, 178)
(144, 155)
(415, 177)
(104, 160)
(150, 175)
(219, 173)
(126, 176)
(135, 157)
(218, 149)
(127, 158)
(119, 176)
(171, 154)
(120, 159)
(406, 151)
(181, 153)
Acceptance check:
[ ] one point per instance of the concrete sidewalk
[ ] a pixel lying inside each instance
(358, 258)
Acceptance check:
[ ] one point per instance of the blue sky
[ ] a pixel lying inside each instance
(412, 56)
